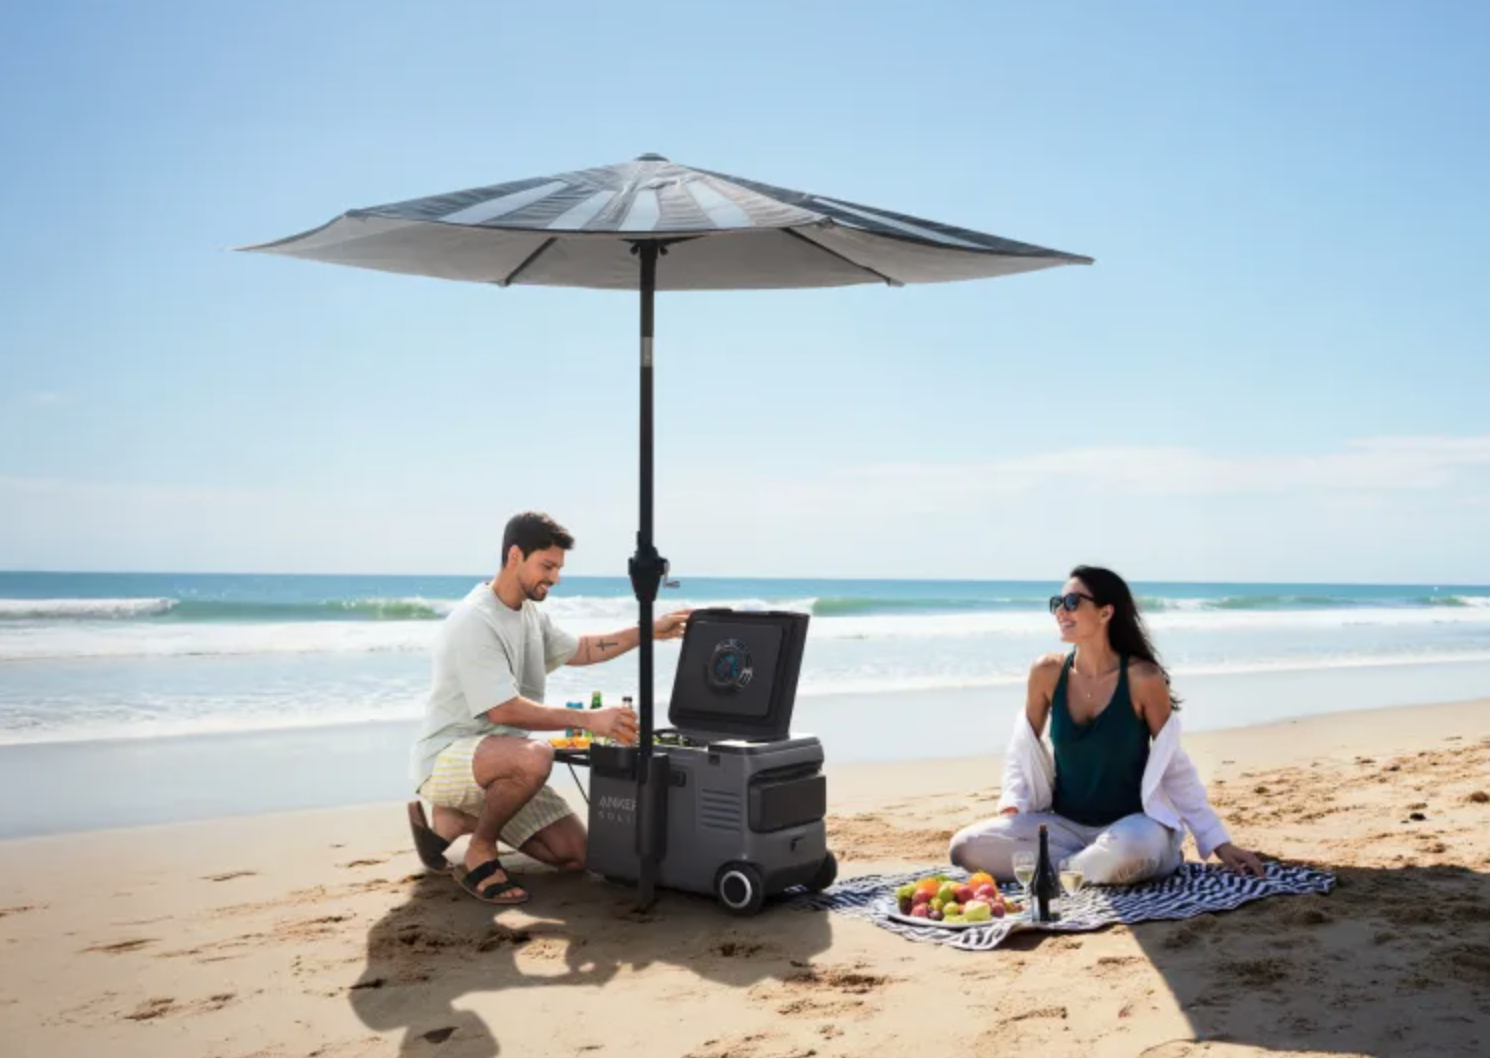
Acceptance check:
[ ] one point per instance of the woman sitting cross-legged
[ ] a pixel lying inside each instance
(1120, 791)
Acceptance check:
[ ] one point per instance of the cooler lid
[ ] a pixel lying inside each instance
(737, 674)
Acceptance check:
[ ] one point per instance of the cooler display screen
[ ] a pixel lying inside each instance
(728, 670)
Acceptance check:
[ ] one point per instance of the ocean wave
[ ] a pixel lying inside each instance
(83, 609)
(853, 605)
(1455, 600)
(123, 639)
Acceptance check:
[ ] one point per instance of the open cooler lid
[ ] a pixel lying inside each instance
(737, 674)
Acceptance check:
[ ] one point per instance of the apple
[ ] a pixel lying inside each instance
(948, 893)
(921, 911)
(985, 892)
(997, 911)
(905, 892)
(964, 893)
(952, 909)
(921, 897)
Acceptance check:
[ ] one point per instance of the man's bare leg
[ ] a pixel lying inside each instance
(560, 845)
(451, 823)
(511, 771)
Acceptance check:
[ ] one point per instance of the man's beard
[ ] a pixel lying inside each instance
(536, 591)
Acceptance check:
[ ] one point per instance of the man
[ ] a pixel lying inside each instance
(474, 761)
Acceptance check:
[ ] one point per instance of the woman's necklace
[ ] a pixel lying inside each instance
(1090, 693)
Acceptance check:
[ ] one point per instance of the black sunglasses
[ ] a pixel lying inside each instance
(1069, 601)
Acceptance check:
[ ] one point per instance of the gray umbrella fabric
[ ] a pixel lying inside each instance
(577, 229)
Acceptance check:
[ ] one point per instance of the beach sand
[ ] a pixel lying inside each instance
(317, 934)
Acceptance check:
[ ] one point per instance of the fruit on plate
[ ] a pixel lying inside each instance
(980, 878)
(985, 892)
(938, 904)
(906, 891)
(948, 893)
(935, 916)
(921, 911)
(964, 893)
(952, 909)
(921, 896)
(929, 886)
(997, 910)
(904, 905)
(977, 911)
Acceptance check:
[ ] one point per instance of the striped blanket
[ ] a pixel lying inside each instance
(1195, 889)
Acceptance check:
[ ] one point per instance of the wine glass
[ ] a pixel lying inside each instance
(1072, 877)
(1024, 870)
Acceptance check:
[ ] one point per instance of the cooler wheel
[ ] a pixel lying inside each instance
(740, 888)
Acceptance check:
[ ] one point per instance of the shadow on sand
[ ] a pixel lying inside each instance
(1395, 963)
(440, 946)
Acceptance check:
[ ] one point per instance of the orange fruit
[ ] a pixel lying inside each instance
(928, 885)
(981, 878)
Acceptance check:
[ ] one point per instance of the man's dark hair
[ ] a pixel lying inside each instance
(532, 531)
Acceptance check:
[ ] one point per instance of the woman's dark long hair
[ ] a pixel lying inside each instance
(1126, 631)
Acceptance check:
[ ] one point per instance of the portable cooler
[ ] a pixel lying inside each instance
(742, 815)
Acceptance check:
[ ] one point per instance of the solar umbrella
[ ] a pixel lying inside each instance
(651, 225)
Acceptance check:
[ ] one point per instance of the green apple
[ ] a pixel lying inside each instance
(948, 893)
(977, 911)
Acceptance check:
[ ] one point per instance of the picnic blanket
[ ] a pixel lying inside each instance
(1195, 889)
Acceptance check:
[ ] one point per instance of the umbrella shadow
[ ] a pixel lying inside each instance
(440, 946)
(1395, 962)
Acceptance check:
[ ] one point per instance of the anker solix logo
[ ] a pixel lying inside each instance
(615, 809)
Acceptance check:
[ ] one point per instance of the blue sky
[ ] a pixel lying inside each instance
(1277, 369)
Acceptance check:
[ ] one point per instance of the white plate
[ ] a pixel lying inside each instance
(1017, 916)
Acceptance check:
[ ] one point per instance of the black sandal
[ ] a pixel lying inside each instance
(430, 846)
(472, 879)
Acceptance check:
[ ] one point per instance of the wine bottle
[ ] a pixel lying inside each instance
(1045, 885)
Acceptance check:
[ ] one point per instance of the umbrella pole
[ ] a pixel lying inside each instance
(647, 569)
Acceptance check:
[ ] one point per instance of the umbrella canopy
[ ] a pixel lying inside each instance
(607, 228)
(724, 233)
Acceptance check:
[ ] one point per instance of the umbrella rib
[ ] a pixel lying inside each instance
(846, 260)
(512, 275)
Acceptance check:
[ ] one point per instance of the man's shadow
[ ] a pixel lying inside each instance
(441, 945)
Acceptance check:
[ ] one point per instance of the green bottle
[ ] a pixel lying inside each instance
(596, 702)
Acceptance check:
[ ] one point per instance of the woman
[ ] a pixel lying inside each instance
(1120, 791)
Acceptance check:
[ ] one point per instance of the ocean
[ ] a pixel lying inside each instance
(88, 656)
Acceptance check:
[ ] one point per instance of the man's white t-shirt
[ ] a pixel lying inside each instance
(485, 654)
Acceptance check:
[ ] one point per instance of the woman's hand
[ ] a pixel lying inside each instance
(1239, 860)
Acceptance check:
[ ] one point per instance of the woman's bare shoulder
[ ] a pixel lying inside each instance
(1141, 671)
(1046, 668)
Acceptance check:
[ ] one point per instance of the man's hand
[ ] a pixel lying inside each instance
(614, 722)
(1239, 860)
(671, 626)
(1010, 811)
